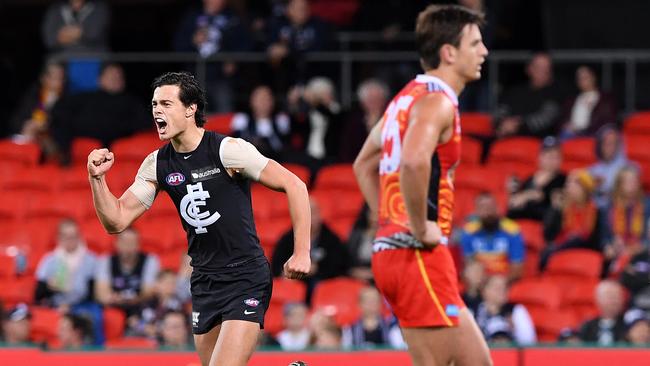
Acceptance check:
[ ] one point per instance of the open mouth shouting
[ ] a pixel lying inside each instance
(161, 125)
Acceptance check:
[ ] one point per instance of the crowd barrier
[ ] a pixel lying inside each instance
(501, 357)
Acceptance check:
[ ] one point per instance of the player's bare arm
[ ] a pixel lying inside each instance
(277, 177)
(366, 167)
(114, 214)
(430, 123)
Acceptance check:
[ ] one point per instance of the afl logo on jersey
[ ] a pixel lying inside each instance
(174, 179)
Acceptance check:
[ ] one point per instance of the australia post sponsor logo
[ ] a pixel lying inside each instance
(174, 179)
(206, 173)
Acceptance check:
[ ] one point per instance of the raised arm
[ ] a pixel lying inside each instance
(430, 118)
(366, 168)
(117, 214)
(241, 157)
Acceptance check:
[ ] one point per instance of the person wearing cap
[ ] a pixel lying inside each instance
(637, 325)
(16, 325)
(569, 336)
(574, 220)
(533, 198)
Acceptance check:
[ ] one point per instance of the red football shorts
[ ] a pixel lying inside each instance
(421, 286)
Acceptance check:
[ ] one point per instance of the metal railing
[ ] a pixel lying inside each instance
(346, 57)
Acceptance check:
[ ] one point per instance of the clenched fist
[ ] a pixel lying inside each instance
(297, 267)
(99, 162)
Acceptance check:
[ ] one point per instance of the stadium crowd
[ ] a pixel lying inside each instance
(551, 215)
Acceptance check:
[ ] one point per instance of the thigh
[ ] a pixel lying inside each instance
(429, 346)
(205, 344)
(472, 349)
(236, 343)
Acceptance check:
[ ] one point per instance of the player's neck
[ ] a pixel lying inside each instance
(188, 140)
(450, 78)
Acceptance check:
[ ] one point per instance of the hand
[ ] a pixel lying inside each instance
(200, 36)
(69, 34)
(277, 52)
(431, 236)
(297, 267)
(509, 126)
(99, 162)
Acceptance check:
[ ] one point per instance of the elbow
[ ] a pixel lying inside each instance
(114, 227)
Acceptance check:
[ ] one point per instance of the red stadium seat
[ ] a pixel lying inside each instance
(549, 323)
(45, 179)
(160, 234)
(163, 207)
(471, 152)
(533, 233)
(578, 152)
(7, 267)
(131, 343)
(14, 205)
(463, 205)
(17, 290)
(59, 206)
(637, 148)
(135, 148)
(479, 178)
(114, 323)
(581, 299)
(76, 179)
(270, 231)
(269, 204)
(285, 291)
(45, 324)
(645, 176)
(536, 294)
(479, 124)
(531, 264)
(637, 124)
(336, 177)
(274, 318)
(220, 123)
(575, 262)
(97, 239)
(172, 259)
(342, 294)
(515, 149)
(517, 169)
(81, 148)
(28, 154)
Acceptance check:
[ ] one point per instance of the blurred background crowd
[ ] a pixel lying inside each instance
(551, 205)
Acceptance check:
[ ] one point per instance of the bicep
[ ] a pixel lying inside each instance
(276, 177)
(130, 206)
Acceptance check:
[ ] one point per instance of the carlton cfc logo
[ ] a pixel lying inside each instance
(175, 179)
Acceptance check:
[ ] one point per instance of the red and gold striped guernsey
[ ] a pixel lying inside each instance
(393, 229)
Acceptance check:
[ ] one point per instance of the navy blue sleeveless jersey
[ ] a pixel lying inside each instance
(215, 209)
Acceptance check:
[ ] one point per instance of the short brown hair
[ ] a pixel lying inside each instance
(438, 25)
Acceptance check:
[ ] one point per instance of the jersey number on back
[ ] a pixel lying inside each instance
(191, 208)
(390, 135)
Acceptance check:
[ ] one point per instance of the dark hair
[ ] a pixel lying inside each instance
(438, 25)
(190, 92)
(80, 324)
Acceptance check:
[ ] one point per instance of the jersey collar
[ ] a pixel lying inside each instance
(424, 78)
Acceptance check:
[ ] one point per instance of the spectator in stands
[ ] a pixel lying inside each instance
(372, 329)
(636, 279)
(295, 336)
(73, 27)
(329, 257)
(569, 336)
(532, 109)
(627, 218)
(493, 240)
(76, 26)
(498, 331)
(31, 119)
(637, 325)
(328, 338)
(210, 30)
(317, 120)
(587, 112)
(533, 199)
(360, 244)
(495, 311)
(105, 114)
(474, 278)
(609, 326)
(16, 325)
(373, 95)
(574, 220)
(65, 275)
(165, 299)
(290, 37)
(174, 331)
(127, 278)
(611, 158)
(263, 125)
(74, 331)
